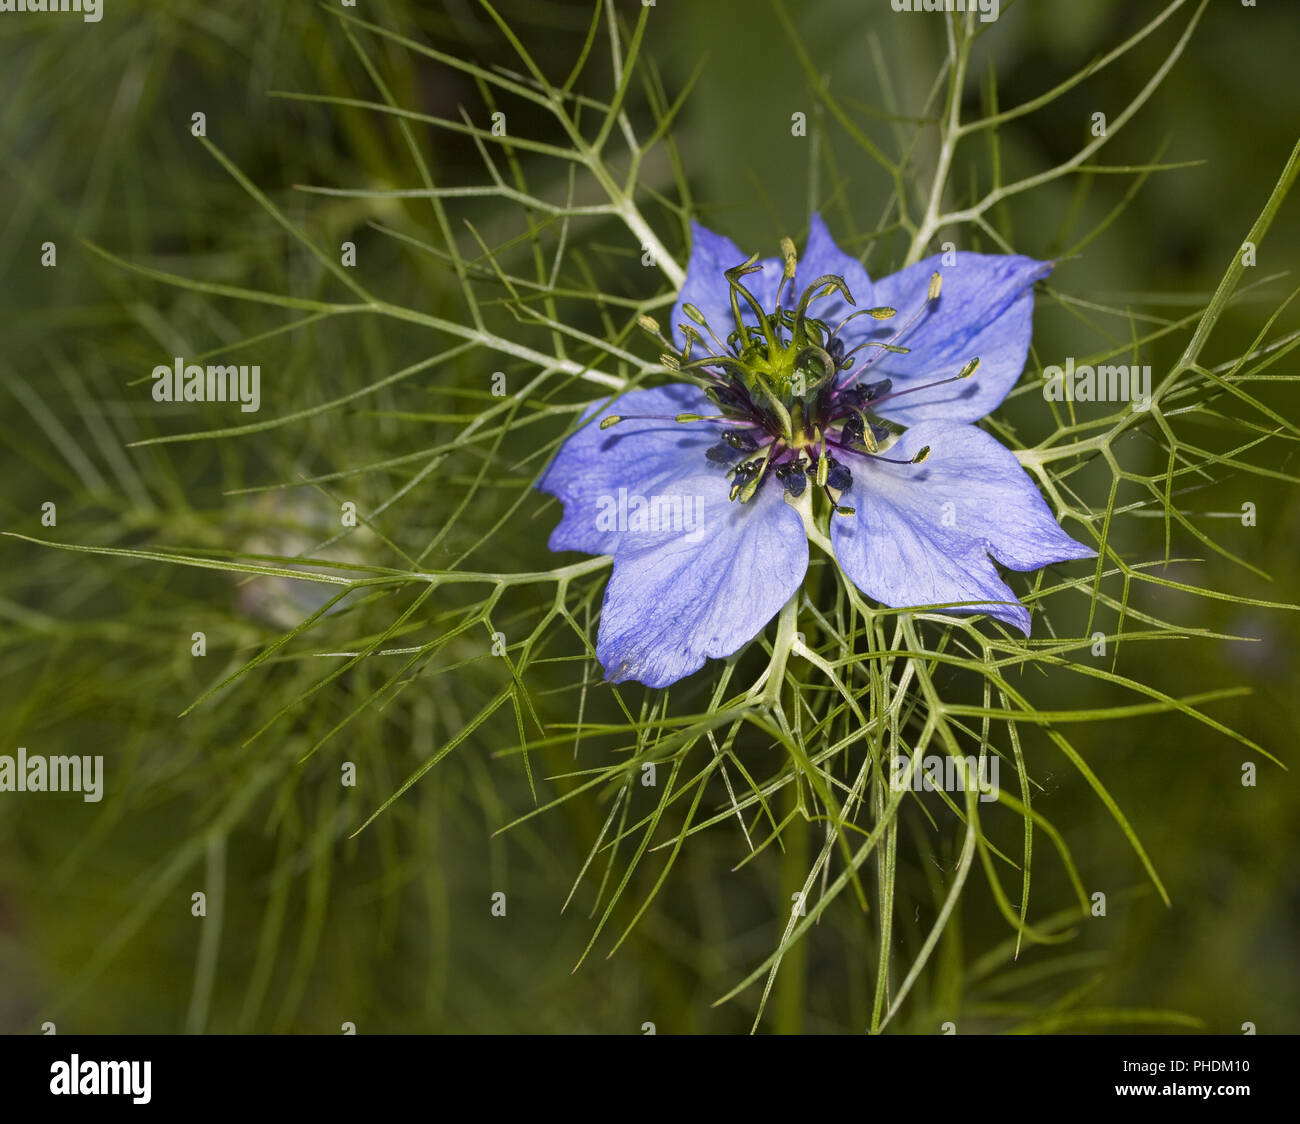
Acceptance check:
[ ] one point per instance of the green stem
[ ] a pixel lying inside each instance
(789, 996)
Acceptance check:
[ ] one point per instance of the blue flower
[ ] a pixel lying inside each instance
(808, 380)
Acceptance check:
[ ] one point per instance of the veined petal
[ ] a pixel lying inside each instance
(706, 287)
(636, 457)
(701, 583)
(984, 309)
(822, 256)
(923, 533)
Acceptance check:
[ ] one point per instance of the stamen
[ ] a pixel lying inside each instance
(692, 338)
(884, 346)
(878, 433)
(759, 468)
(734, 445)
(862, 435)
(741, 476)
(823, 465)
(932, 295)
(918, 457)
(614, 419)
(793, 478)
(861, 395)
(740, 439)
(838, 476)
(884, 312)
(966, 372)
(650, 326)
(696, 315)
(836, 507)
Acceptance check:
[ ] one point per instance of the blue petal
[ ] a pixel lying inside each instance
(707, 288)
(640, 456)
(923, 533)
(822, 256)
(701, 590)
(985, 309)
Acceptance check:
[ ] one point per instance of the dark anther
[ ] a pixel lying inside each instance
(744, 473)
(839, 477)
(791, 475)
(854, 434)
(868, 392)
(836, 350)
(739, 439)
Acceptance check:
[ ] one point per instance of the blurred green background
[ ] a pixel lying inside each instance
(393, 930)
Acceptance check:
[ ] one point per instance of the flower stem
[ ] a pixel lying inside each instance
(788, 998)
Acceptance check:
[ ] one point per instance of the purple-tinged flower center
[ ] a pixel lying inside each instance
(791, 398)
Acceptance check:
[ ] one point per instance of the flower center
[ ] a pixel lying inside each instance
(789, 394)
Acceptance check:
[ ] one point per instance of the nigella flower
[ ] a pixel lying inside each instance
(808, 381)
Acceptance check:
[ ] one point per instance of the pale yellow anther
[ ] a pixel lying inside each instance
(791, 261)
